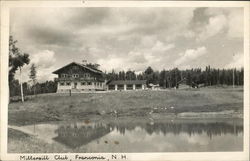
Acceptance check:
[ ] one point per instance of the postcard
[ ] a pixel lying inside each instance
(125, 80)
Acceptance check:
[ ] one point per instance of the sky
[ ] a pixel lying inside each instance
(129, 38)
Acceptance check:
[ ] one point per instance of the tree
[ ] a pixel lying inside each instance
(16, 61)
(149, 75)
(149, 71)
(33, 76)
(130, 75)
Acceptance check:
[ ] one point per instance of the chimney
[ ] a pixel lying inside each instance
(84, 62)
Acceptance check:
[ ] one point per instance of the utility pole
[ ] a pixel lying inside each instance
(175, 79)
(233, 77)
(21, 83)
(233, 74)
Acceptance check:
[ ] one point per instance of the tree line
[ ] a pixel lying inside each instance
(170, 78)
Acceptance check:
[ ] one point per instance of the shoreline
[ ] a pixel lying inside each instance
(155, 116)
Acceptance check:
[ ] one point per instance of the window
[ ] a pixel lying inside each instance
(83, 83)
(120, 87)
(129, 86)
(111, 87)
(64, 75)
(89, 83)
(62, 84)
(138, 86)
(75, 75)
(86, 75)
(68, 83)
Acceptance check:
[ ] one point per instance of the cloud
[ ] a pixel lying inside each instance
(44, 62)
(44, 59)
(126, 38)
(160, 47)
(228, 20)
(190, 54)
(134, 61)
(215, 25)
(79, 18)
(237, 61)
(236, 26)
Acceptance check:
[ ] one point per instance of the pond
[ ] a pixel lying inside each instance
(135, 135)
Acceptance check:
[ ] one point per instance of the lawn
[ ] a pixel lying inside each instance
(52, 107)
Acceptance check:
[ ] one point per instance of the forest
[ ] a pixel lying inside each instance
(170, 78)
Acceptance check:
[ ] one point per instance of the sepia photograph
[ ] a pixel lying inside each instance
(125, 80)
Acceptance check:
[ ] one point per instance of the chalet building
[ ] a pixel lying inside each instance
(182, 84)
(126, 85)
(77, 78)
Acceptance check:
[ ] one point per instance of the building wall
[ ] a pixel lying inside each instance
(183, 86)
(124, 87)
(79, 87)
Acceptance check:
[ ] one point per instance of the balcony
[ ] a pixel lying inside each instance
(79, 79)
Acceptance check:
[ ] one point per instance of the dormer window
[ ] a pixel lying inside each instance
(75, 75)
(86, 75)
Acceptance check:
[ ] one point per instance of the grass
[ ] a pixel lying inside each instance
(50, 107)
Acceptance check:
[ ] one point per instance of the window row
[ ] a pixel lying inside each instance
(91, 83)
(63, 83)
(82, 83)
(85, 75)
(127, 87)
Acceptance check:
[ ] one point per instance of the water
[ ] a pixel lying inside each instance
(128, 135)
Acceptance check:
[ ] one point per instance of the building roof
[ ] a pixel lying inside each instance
(120, 82)
(184, 81)
(81, 65)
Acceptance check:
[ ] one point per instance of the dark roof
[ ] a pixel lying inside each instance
(184, 80)
(76, 137)
(81, 65)
(120, 82)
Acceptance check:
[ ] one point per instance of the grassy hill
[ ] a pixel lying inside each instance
(50, 107)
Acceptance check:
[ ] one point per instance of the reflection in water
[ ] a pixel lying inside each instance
(142, 135)
(210, 129)
(76, 135)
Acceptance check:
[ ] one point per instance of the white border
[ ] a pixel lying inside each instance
(206, 156)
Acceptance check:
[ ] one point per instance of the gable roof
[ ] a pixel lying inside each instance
(78, 64)
(184, 81)
(120, 82)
